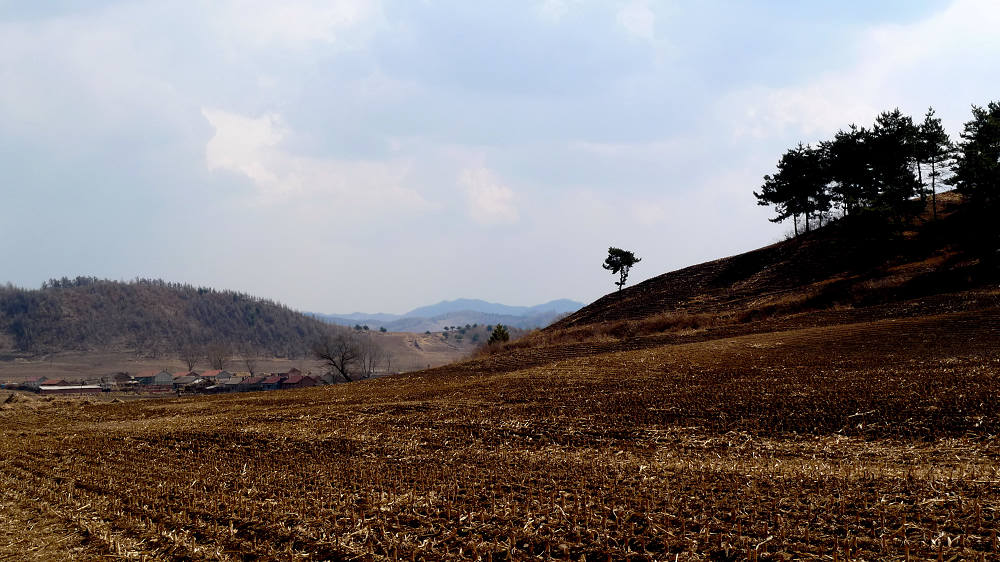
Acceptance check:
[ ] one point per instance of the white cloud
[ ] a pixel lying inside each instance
(291, 23)
(936, 61)
(638, 20)
(240, 144)
(489, 202)
(553, 10)
(252, 147)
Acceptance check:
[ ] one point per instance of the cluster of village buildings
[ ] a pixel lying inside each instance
(152, 382)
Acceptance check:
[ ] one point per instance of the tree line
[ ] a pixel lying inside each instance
(886, 170)
(149, 316)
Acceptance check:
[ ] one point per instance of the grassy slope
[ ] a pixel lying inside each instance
(852, 432)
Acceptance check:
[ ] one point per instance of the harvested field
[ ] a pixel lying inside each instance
(865, 440)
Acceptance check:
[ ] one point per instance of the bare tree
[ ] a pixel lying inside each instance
(190, 355)
(340, 350)
(249, 357)
(250, 362)
(218, 355)
(373, 357)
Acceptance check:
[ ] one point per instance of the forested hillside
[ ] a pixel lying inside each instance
(148, 316)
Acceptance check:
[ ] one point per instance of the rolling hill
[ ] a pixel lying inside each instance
(823, 398)
(846, 266)
(147, 316)
(84, 328)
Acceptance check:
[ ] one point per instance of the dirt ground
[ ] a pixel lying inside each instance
(868, 440)
(410, 352)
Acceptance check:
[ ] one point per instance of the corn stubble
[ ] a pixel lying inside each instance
(856, 442)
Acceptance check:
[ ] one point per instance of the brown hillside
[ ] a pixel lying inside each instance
(872, 440)
(857, 429)
(839, 265)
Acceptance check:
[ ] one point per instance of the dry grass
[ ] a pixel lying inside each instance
(410, 352)
(859, 441)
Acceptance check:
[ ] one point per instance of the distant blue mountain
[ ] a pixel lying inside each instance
(459, 312)
(359, 316)
(476, 305)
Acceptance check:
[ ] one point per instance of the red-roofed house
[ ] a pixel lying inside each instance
(55, 383)
(35, 382)
(298, 381)
(272, 382)
(250, 383)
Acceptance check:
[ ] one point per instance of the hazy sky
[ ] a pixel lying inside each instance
(349, 155)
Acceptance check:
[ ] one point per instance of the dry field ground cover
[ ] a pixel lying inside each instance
(410, 352)
(858, 441)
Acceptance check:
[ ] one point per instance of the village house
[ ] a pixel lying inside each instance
(250, 383)
(272, 382)
(53, 382)
(216, 375)
(231, 385)
(155, 378)
(117, 382)
(35, 382)
(297, 381)
(190, 382)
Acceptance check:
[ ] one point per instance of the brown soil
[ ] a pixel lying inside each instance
(859, 430)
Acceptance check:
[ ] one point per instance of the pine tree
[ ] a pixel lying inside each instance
(499, 335)
(934, 149)
(977, 161)
(848, 166)
(799, 188)
(893, 154)
(619, 262)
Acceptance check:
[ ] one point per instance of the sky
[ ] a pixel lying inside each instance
(346, 155)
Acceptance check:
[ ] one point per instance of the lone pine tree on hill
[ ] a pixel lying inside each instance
(619, 262)
(499, 335)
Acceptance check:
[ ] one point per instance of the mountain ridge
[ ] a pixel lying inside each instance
(459, 312)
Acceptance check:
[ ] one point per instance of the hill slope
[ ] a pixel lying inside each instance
(149, 316)
(788, 425)
(841, 265)
(871, 440)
